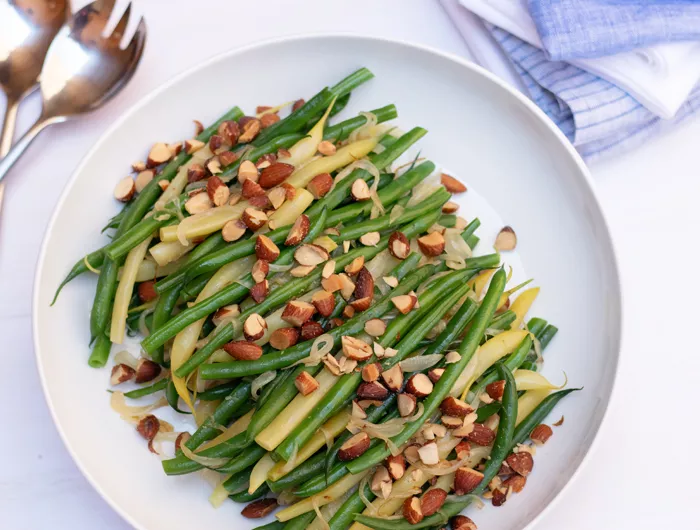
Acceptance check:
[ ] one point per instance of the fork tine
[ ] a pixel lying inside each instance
(139, 35)
(121, 25)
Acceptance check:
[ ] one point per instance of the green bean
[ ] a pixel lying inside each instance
(354, 504)
(502, 321)
(173, 398)
(449, 377)
(340, 131)
(147, 390)
(121, 245)
(312, 467)
(104, 295)
(192, 288)
(293, 288)
(547, 335)
(237, 481)
(114, 221)
(501, 447)
(100, 351)
(228, 295)
(300, 522)
(448, 220)
(426, 318)
(512, 362)
(485, 412)
(247, 458)
(472, 241)
(95, 260)
(338, 107)
(161, 314)
(244, 496)
(470, 229)
(536, 326)
(537, 416)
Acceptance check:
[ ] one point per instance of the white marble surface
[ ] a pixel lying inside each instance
(650, 196)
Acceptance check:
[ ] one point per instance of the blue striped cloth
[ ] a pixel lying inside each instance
(575, 29)
(599, 118)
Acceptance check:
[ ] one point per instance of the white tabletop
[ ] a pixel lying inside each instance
(650, 196)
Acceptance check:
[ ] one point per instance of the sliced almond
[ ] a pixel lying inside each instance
(218, 191)
(250, 128)
(297, 312)
(198, 203)
(451, 422)
(310, 255)
(138, 166)
(419, 385)
(495, 390)
(357, 411)
(381, 483)
(333, 283)
(349, 311)
(396, 466)
(268, 119)
(452, 357)
(254, 327)
(260, 270)
(521, 463)
(391, 281)
(277, 197)
(399, 246)
(233, 230)
(375, 327)
(163, 184)
(143, 178)
(125, 189)
(355, 349)
(370, 239)
(404, 303)
(247, 170)
(360, 190)
(254, 218)
(432, 244)
(159, 154)
(452, 184)
(305, 383)
(347, 286)
(193, 145)
(406, 404)
(326, 148)
(435, 374)
(506, 239)
(393, 378)
(371, 372)
(226, 312)
(429, 454)
(328, 269)
(298, 232)
(301, 271)
(450, 207)
(355, 266)
(283, 338)
(214, 165)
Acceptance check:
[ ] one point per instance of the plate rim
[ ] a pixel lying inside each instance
(463, 62)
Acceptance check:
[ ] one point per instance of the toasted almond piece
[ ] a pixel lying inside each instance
(411, 453)
(283, 338)
(198, 127)
(290, 190)
(324, 302)
(230, 131)
(254, 327)
(399, 247)
(218, 144)
(259, 291)
(391, 281)
(277, 197)
(541, 434)
(515, 482)
(347, 366)
(432, 244)
(268, 119)
(432, 501)
(355, 266)
(120, 374)
(499, 496)
(229, 311)
(419, 385)
(451, 406)
(159, 154)
(360, 190)
(148, 427)
(370, 239)
(299, 103)
(520, 462)
(355, 349)
(406, 404)
(396, 466)
(275, 174)
(301, 271)
(253, 218)
(198, 203)
(305, 383)
(463, 449)
(147, 291)
(467, 426)
(371, 372)
(247, 170)
(138, 166)
(195, 173)
(381, 483)
(481, 435)
(375, 327)
(367, 403)
(404, 303)
(450, 207)
(298, 232)
(361, 304)
(357, 411)
(175, 148)
(412, 511)
(354, 447)
(259, 509)
(506, 239)
(390, 352)
(333, 283)
(452, 184)
(163, 184)
(218, 191)
(326, 148)
(393, 378)
(328, 269)
(347, 285)
(266, 249)
(462, 522)
(467, 480)
(233, 230)
(243, 350)
(251, 189)
(495, 389)
(485, 398)
(297, 312)
(372, 390)
(181, 439)
(349, 311)
(346, 246)
(310, 255)
(311, 329)
(193, 145)
(146, 370)
(364, 284)
(452, 357)
(320, 185)
(250, 129)
(143, 178)
(260, 270)
(559, 422)
(435, 374)
(451, 422)
(125, 189)
(429, 454)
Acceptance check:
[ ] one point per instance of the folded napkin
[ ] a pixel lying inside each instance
(659, 77)
(599, 117)
(574, 29)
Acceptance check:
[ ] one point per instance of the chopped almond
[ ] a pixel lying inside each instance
(305, 383)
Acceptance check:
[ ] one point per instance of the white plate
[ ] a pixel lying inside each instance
(492, 137)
